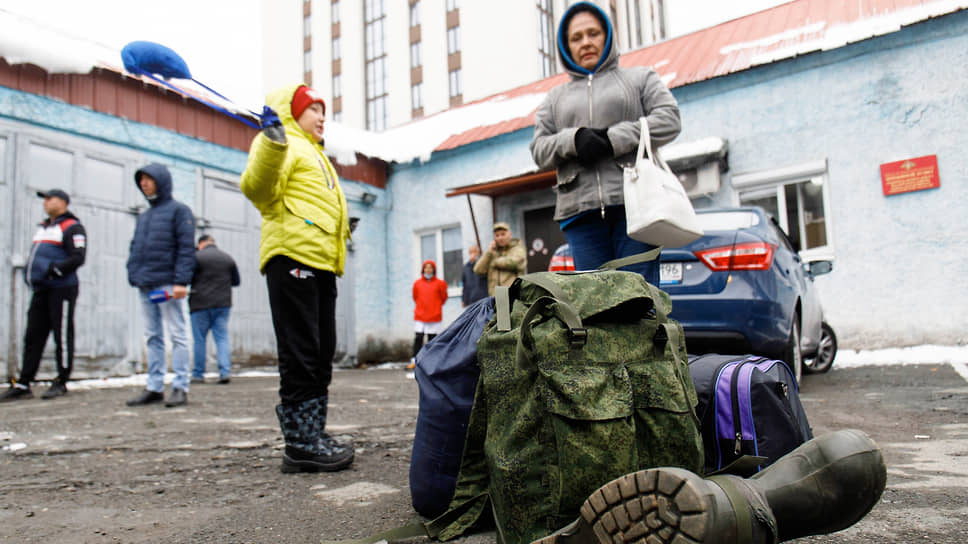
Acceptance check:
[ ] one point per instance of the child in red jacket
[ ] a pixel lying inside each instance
(429, 294)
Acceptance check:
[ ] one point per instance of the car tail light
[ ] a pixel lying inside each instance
(561, 263)
(749, 256)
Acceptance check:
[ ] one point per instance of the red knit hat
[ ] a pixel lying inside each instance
(303, 97)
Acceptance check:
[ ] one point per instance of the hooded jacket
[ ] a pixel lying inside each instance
(163, 247)
(59, 248)
(429, 296)
(297, 191)
(607, 96)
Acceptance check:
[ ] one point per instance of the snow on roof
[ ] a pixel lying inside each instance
(24, 40)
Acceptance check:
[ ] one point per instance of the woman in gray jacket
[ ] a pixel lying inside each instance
(588, 128)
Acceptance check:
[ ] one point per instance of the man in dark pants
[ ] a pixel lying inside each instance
(58, 250)
(209, 304)
(475, 285)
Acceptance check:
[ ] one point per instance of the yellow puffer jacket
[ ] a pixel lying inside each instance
(295, 188)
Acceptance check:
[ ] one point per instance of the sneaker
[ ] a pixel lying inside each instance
(146, 397)
(412, 364)
(178, 397)
(16, 392)
(57, 389)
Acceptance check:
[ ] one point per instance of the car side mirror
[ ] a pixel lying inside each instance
(819, 268)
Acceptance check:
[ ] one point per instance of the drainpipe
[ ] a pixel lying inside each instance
(17, 263)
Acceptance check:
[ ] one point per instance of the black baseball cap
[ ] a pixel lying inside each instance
(55, 192)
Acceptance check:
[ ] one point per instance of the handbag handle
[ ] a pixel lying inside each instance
(645, 139)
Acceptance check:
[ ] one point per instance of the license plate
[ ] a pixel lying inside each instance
(670, 272)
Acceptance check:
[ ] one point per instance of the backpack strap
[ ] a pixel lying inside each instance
(396, 534)
(502, 308)
(647, 256)
(567, 312)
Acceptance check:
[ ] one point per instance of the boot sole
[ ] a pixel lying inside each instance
(662, 505)
(290, 465)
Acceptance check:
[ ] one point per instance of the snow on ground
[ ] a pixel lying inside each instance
(956, 356)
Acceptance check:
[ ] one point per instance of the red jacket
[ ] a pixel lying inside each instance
(430, 296)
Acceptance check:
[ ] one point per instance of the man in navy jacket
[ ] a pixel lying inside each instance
(51, 272)
(160, 265)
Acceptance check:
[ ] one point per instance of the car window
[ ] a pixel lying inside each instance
(731, 220)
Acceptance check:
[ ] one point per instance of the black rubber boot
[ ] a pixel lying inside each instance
(305, 451)
(826, 485)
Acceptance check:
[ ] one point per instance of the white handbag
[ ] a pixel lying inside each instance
(657, 209)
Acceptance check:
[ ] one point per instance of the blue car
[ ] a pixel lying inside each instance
(743, 288)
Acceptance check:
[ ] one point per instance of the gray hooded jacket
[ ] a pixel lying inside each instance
(605, 97)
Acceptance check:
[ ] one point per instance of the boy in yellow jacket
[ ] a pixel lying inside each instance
(303, 249)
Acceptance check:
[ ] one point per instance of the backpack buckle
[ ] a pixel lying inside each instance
(578, 336)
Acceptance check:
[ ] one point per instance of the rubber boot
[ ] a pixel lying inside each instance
(304, 450)
(326, 442)
(827, 484)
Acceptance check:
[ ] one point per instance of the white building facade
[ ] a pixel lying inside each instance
(383, 63)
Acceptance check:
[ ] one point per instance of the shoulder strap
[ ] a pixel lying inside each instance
(615, 264)
(567, 312)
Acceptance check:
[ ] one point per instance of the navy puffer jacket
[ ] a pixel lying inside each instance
(163, 247)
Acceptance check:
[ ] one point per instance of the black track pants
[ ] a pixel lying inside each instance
(303, 305)
(51, 311)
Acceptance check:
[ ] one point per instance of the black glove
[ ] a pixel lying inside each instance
(592, 145)
(271, 125)
(54, 272)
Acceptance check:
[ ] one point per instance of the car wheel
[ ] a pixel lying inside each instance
(825, 353)
(793, 356)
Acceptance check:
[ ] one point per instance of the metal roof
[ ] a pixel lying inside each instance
(782, 32)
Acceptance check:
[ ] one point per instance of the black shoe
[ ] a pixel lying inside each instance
(57, 389)
(146, 397)
(178, 397)
(198, 380)
(297, 460)
(223, 381)
(16, 393)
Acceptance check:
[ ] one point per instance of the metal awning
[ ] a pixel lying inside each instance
(508, 186)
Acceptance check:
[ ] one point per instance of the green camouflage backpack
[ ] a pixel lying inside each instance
(583, 378)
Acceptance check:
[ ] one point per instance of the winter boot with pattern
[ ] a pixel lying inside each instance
(327, 442)
(826, 485)
(304, 449)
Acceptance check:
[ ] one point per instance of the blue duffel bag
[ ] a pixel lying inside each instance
(447, 374)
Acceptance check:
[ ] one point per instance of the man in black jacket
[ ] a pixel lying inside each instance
(209, 304)
(51, 272)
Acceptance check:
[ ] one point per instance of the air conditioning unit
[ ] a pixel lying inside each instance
(701, 181)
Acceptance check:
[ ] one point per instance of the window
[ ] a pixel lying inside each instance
(456, 88)
(415, 60)
(374, 15)
(416, 96)
(307, 61)
(452, 5)
(334, 12)
(546, 39)
(337, 85)
(415, 13)
(797, 200)
(337, 48)
(307, 26)
(453, 40)
(443, 246)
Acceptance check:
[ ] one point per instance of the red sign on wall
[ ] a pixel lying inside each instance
(910, 175)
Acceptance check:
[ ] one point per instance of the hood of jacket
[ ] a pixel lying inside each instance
(162, 179)
(280, 100)
(609, 56)
(431, 263)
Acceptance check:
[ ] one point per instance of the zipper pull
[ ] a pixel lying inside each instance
(739, 443)
(603, 212)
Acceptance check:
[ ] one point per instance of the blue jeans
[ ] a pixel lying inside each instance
(159, 317)
(216, 320)
(595, 241)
